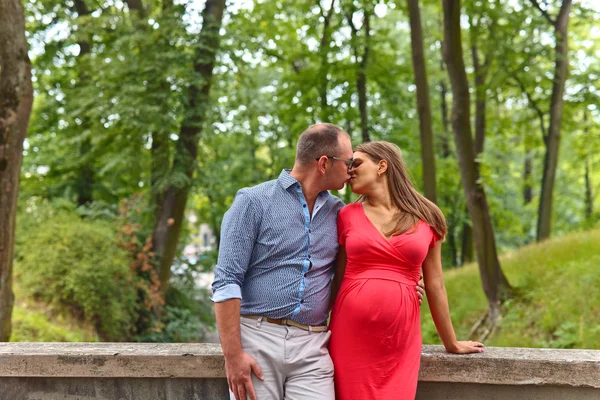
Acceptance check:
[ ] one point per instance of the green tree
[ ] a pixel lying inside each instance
(552, 139)
(495, 284)
(16, 99)
(423, 104)
(165, 237)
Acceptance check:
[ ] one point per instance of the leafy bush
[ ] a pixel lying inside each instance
(184, 313)
(77, 267)
(32, 325)
(187, 316)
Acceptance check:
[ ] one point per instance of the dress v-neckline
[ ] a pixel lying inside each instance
(373, 225)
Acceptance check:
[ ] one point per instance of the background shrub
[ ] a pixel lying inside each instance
(76, 267)
(33, 325)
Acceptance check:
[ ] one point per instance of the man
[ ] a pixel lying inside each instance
(273, 275)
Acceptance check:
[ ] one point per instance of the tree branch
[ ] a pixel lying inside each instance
(492, 35)
(137, 6)
(544, 12)
(533, 104)
(349, 16)
(326, 21)
(367, 27)
(350, 22)
(324, 55)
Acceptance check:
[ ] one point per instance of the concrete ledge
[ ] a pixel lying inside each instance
(513, 366)
(130, 371)
(497, 365)
(111, 360)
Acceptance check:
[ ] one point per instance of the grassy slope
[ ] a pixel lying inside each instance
(558, 304)
(558, 301)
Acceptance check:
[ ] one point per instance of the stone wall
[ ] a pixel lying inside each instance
(86, 371)
(511, 374)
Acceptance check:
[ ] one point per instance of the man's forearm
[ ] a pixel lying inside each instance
(228, 324)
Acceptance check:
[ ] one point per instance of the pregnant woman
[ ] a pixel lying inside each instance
(385, 239)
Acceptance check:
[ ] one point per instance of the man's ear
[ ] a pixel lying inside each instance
(322, 165)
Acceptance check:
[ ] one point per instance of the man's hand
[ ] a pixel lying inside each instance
(421, 290)
(239, 369)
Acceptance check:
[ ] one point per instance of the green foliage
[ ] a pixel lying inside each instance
(180, 325)
(135, 237)
(76, 267)
(557, 302)
(33, 325)
(184, 314)
(130, 91)
(111, 108)
(187, 315)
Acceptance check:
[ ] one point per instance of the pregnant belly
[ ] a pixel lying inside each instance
(379, 304)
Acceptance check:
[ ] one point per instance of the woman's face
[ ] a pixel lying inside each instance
(363, 175)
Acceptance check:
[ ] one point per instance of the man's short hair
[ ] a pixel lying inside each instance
(318, 140)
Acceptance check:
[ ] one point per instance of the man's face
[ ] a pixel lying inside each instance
(339, 173)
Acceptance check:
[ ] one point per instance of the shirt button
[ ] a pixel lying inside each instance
(301, 301)
(305, 275)
(304, 205)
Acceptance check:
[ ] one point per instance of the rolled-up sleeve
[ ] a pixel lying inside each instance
(238, 234)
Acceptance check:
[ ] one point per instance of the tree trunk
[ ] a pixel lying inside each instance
(445, 154)
(361, 83)
(589, 197)
(86, 176)
(552, 141)
(528, 162)
(168, 227)
(444, 109)
(589, 193)
(452, 246)
(480, 126)
(159, 164)
(495, 284)
(480, 101)
(16, 100)
(324, 54)
(527, 170)
(423, 103)
(466, 249)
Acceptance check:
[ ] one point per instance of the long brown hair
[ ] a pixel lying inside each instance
(412, 206)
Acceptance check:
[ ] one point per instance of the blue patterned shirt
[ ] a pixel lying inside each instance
(274, 255)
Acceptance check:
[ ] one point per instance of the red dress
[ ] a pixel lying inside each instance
(375, 324)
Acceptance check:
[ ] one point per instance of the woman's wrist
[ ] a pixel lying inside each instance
(451, 347)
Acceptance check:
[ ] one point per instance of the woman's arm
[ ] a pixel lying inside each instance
(340, 270)
(438, 304)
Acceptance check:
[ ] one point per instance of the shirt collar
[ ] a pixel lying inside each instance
(286, 181)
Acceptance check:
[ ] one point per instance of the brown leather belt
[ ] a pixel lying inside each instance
(289, 322)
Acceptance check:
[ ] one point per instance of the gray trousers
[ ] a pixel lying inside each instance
(295, 363)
